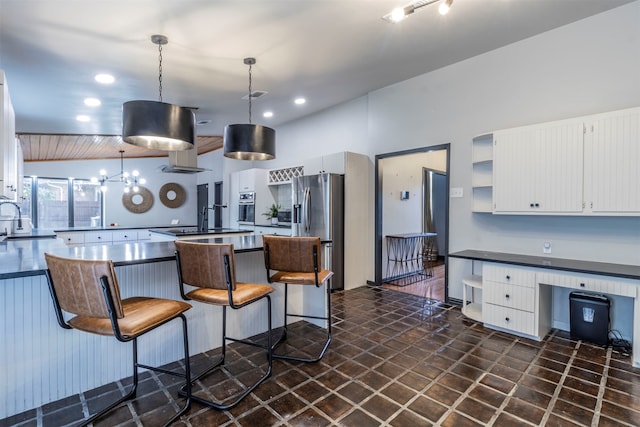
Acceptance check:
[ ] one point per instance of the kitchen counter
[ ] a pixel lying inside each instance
(117, 228)
(33, 234)
(190, 231)
(24, 258)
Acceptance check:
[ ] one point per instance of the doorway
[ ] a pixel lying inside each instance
(217, 204)
(412, 188)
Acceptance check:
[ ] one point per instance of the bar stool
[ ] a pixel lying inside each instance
(89, 290)
(210, 268)
(297, 261)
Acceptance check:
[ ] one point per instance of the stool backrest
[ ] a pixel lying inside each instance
(203, 264)
(292, 253)
(78, 288)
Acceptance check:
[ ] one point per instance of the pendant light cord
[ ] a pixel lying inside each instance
(160, 70)
(250, 96)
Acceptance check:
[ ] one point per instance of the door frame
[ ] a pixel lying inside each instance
(378, 220)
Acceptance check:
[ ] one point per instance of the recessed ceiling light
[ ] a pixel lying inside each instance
(299, 101)
(203, 122)
(92, 102)
(267, 114)
(105, 78)
(83, 118)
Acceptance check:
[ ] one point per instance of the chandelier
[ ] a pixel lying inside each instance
(130, 180)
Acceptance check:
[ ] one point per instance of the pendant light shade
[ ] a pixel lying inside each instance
(249, 142)
(158, 125)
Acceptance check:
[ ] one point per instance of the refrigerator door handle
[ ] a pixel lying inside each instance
(306, 210)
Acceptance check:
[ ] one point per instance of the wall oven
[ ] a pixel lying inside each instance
(246, 207)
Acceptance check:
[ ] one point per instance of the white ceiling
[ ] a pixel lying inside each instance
(328, 51)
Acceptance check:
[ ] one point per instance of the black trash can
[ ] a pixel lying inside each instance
(589, 317)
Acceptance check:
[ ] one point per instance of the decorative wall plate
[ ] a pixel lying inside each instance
(138, 202)
(172, 195)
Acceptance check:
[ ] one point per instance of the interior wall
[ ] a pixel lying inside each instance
(158, 215)
(582, 68)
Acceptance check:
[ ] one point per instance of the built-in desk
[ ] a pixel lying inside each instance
(517, 290)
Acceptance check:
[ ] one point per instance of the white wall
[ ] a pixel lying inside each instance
(158, 215)
(586, 67)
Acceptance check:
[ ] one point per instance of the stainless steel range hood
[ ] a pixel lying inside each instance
(182, 162)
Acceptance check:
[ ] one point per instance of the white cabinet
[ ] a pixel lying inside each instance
(538, 168)
(73, 238)
(251, 179)
(8, 144)
(612, 163)
(103, 237)
(124, 236)
(512, 300)
(144, 234)
(330, 163)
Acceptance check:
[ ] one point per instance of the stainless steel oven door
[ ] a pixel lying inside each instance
(246, 213)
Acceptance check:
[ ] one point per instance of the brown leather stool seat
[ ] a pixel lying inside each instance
(89, 290)
(210, 269)
(297, 261)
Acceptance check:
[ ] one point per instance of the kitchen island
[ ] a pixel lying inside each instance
(42, 362)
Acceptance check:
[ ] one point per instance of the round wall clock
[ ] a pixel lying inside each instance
(138, 202)
(172, 195)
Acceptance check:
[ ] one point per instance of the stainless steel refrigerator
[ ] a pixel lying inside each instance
(318, 211)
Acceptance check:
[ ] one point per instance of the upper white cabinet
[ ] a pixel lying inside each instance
(581, 166)
(249, 179)
(8, 144)
(330, 163)
(538, 169)
(612, 163)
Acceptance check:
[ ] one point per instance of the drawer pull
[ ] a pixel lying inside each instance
(99, 237)
(508, 277)
(507, 296)
(506, 319)
(582, 285)
(125, 236)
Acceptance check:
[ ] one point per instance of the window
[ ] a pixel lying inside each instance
(54, 203)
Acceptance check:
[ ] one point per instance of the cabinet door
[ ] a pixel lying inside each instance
(513, 170)
(538, 169)
(612, 159)
(8, 144)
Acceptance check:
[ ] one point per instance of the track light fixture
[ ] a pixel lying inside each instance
(400, 13)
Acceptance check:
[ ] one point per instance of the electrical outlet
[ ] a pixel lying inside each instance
(546, 248)
(455, 192)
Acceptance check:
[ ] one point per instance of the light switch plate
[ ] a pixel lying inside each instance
(546, 248)
(455, 192)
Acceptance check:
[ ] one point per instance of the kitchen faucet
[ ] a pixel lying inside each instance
(19, 214)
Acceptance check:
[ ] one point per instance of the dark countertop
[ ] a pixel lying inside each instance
(578, 266)
(117, 227)
(195, 231)
(33, 234)
(23, 258)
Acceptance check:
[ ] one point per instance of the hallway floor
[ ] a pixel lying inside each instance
(396, 360)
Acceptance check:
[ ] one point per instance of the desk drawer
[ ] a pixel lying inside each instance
(509, 318)
(508, 274)
(518, 297)
(617, 286)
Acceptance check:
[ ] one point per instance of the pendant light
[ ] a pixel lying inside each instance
(130, 180)
(158, 125)
(249, 141)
